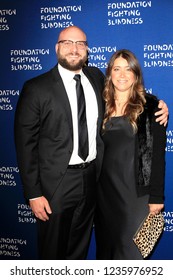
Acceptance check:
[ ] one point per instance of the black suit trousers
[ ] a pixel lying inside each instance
(67, 233)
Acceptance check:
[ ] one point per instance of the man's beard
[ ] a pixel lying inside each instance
(69, 66)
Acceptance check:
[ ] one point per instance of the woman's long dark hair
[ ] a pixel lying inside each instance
(136, 101)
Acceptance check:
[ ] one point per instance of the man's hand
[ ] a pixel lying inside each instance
(41, 208)
(163, 113)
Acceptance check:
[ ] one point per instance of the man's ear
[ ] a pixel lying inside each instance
(56, 47)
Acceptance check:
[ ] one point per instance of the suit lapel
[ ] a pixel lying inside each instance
(97, 90)
(61, 91)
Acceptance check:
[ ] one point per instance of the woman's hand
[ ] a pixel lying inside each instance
(155, 208)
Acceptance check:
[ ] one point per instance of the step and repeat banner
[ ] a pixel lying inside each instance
(28, 33)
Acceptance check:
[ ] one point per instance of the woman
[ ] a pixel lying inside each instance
(132, 178)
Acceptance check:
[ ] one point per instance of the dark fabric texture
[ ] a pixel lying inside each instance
(150, 153)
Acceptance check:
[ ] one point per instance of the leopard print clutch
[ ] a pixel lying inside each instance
(148, 233)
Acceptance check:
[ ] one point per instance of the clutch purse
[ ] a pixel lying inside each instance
(148, 233)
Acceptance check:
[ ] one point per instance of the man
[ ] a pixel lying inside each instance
(59, 184)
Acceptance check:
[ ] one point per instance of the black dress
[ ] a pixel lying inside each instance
(119, 211)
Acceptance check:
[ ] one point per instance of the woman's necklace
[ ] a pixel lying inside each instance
(120, 103)
(119, 107)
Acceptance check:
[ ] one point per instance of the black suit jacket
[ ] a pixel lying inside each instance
(44, 132)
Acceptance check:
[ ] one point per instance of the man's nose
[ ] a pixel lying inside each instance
(74, 46)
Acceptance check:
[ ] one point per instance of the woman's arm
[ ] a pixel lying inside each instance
(158, 164)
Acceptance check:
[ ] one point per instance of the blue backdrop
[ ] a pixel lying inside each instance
(28, 33)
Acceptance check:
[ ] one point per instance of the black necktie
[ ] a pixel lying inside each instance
(82, 123)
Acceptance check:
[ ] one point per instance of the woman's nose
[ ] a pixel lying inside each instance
(122, 73)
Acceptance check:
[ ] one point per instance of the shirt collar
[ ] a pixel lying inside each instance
(67, 74)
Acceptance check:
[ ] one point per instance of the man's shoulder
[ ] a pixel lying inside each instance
(93, 71)
(43, 77)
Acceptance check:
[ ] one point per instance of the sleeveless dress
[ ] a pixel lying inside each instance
(119, 211)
